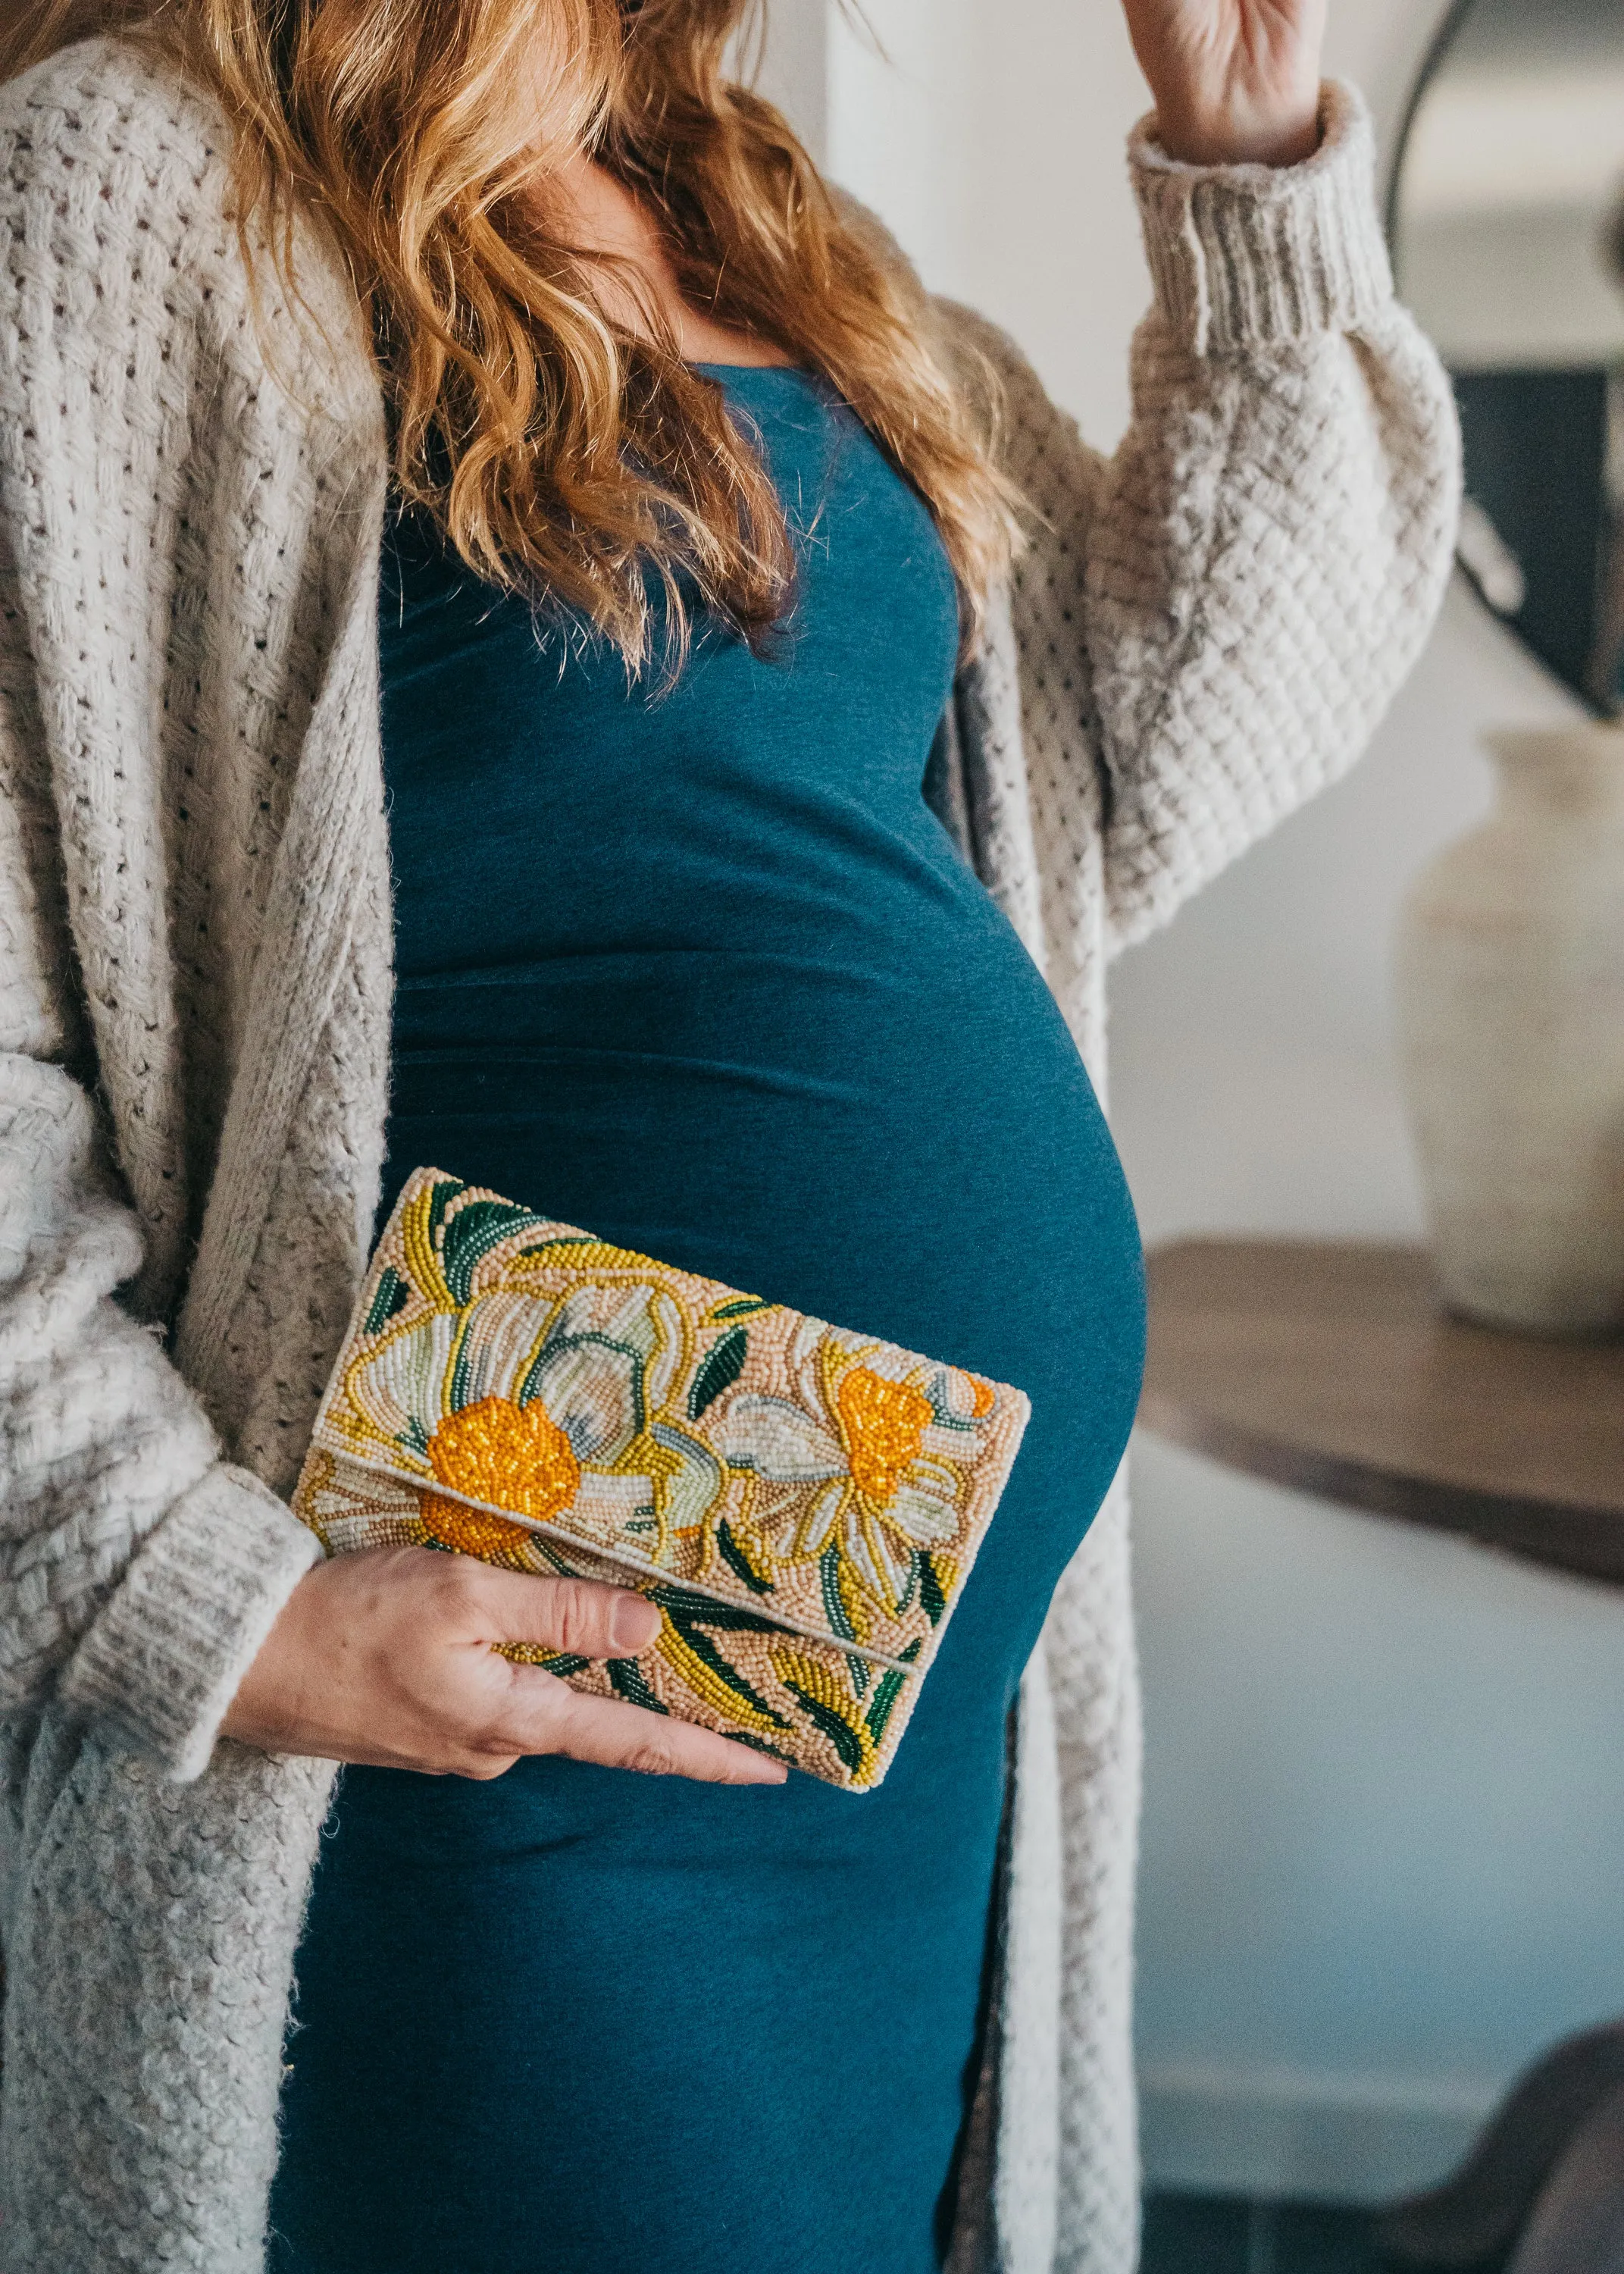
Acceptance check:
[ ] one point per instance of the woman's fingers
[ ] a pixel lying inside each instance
(386, 1657)
(548, 1716)
(542, 1714)
(574, 1615)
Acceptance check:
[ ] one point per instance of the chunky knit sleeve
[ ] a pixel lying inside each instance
(1213, 620)
(138, 1573)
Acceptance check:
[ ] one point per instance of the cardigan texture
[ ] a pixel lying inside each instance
(195, 985)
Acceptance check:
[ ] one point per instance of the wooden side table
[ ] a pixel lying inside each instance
(1330, 1366)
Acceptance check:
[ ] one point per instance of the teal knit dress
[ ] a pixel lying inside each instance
(701, 972)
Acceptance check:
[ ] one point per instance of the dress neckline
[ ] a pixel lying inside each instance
(732, 370)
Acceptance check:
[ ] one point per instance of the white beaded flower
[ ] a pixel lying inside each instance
(880, 1435)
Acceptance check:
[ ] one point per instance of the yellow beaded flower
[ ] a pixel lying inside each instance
(888, 1457)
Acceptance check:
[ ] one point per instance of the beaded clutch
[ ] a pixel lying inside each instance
(802, 1504)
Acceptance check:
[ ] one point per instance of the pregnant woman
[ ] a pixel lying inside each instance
(527, 643)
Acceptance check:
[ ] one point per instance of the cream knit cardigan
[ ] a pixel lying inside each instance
(194, 1025)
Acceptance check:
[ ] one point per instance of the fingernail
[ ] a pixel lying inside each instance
(633, 1623)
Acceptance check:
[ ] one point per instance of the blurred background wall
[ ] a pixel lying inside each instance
(1384, 1834)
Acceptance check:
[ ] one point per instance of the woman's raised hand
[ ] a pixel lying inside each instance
(386, 1658)
(1234, 80)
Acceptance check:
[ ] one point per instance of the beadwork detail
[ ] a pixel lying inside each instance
(515, 1455)
(802, 1504)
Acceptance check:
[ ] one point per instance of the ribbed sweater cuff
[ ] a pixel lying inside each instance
(163, 1661)
(1247, 257)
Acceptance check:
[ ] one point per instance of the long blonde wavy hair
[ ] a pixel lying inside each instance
(564, 452)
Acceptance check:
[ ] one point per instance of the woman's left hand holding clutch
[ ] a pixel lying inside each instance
(391, 1658)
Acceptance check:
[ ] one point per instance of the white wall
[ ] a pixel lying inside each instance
(793, 65)
(1384, 1838)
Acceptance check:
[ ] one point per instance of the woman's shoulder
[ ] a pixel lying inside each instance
(983, 359)
(988, 363)
(116, 124)
(116, 247)
(118, 218)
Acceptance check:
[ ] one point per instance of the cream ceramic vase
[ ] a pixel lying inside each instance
(1511, 1018)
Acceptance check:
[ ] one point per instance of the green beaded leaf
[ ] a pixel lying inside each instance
(835, 1612)
(834, 1726)
(445, 1192)
(629, 1682)
(471, 1233)
(916, 1559)
(887, 1690)
(933, 1598)
(391, 1294)
(729, 1618)
(723, 1365)
(688, 1625)
(734, 1556)
(834, 1605)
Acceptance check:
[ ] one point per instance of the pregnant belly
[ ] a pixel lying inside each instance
(919, 1158)
(829, 1131)
(657, 2023)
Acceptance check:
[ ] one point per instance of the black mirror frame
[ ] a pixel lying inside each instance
(1437, 55)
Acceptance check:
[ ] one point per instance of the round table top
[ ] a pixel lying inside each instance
(1332, 1368)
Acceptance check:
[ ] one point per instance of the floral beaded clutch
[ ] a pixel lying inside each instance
(803, 1505)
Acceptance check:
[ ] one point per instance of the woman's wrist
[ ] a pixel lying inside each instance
(1273, 137)
(1235, 82)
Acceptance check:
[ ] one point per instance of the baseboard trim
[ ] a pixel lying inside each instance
(1284, 2134)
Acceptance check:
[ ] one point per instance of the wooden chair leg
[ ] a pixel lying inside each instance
(1474, 2219)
